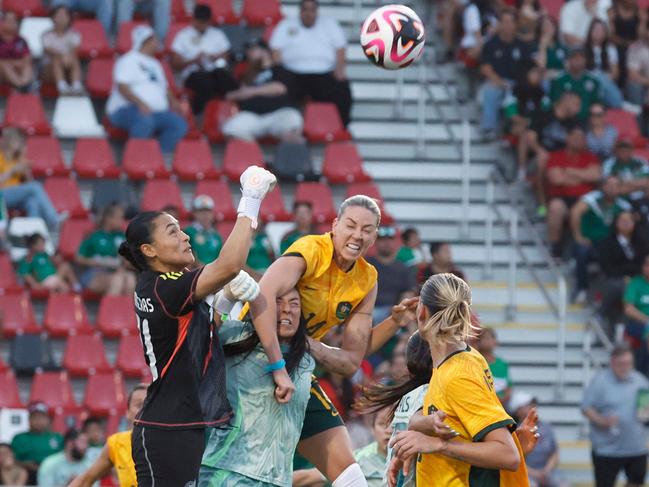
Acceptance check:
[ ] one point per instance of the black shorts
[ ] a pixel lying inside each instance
(321, 415)
(608, 468)
(167, 457)
(568, 200)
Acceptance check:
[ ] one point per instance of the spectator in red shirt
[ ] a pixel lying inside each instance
(571, 173)
(15, 58)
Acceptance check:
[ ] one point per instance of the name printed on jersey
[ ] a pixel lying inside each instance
(143, 304)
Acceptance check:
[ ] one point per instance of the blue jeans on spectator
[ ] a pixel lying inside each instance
(32, 198)
(102, 9)
(159, 10)
(169, 126)
(609, 91)
(492, 101)
(583, 255)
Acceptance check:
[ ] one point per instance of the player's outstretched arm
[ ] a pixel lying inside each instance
(400, 315)
(97, 470)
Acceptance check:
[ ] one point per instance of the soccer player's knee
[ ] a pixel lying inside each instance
(352, 476)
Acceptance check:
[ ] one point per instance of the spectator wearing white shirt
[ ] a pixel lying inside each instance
(158, 10)
(312, 48)
(140, 101)
(576, 16)
(637, 63)
(200, 52)
(61, 61)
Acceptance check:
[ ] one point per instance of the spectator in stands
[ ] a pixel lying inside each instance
(571, 173)
(41, 272)
(35, 445)
(260, 256)
(10, 472)
(102, 9)
(15, 59)
(61, 61)
(266, 99)
(95, 430)
(63, 467)
(140, 101)
(303, 218)
(577, 80)
(205, 240)
(19, 189)
(501, 57)
(442, 261)
(637, 64)
(473, 14)
(312, 48)
(636, 310)
(575, 18)
(371, 458)
(529, 15)
(412, 251)
(601, 135)
(200, 51)
(158, 10)
(104, 271)
(618, 437)
(591, 220)
(486, 345)
(602, 62)
(394, 278)
(627, 22)
(633, 171)
(551, 54)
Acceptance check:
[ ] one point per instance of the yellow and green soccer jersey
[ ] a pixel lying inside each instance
(462, 387)
(119, 452)
(328, 294)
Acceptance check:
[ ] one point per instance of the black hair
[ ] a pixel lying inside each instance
(297, 204)
(32, 239)
(617, 217)
(589, 48)
(202, 12)
(70, 435)
(138, 233)
(302, 2)
(435, 246)
(7, 445)
(420, 365)
(408, 233)
(539, 29)
(91, 420)
(140, 387)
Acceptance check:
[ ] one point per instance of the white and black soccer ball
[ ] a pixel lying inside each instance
(393, 36)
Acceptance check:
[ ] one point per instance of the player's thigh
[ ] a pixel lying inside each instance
(635, 469)
(330, 451)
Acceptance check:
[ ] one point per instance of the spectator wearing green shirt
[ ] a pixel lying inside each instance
(105, 272)
(632, 171)
(372, 457)
(40, 271)
(636, 310)
(205, 240)
(261, 255)
(591, 220)
(551, 54)
(577, 80)
(486, 344)
(35, 445)
(412, 252)
(303, 218)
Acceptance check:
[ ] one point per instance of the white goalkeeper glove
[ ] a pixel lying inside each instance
(256, 183)
(241, 288)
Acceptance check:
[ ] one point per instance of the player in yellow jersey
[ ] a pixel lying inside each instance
(337, 288)
(117, 452)
(484, 451)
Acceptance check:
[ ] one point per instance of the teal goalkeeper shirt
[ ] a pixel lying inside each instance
(264, 434)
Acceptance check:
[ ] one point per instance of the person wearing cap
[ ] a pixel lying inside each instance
(63, 467)
(140, 101)
(158, 10)
(38, 443)
(633, 171)
(575, 19)
(200, 52)
(205, 240)
(577, 80)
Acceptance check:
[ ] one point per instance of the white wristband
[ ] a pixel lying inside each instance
(222, 305)
(249, 207)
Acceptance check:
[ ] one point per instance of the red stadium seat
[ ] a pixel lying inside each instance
(319, 195)
(26, 112)
(174, 28)
(112, 426)
(65, 314)
(45, 156)
(259, 13)
(94, 42)
(65, 196)
(220, 193)
(222, 11)
(63, 420)
(143, 159)
(193, 161)
(9, 396)
(3, 367)
(85, 354)
(239, 154)
(116, 316)
(25, 8)
(17, 315)
(99, 80)
(130, 356)
(217, 112)
(114, 132)
(73, 232)
(343, 164)
(159, 193)
(626, 124)
(322, 123)
(124, 43)
(93, 159)
(105, 394)
(370, 189)
(54, 389)
(553, 7)
(178, 12)
(8, 280)
(272, 208)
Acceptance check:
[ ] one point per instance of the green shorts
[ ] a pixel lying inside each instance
(321, 415)
(215, 477)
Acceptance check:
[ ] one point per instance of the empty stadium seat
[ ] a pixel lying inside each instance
(84, 123)
(17, 314)
(124, 43)
(54, 389)
(32, 30)
(65, 314)
(44, 154)
(85, 354)
(25, 111)
(9, 396)
(319, 195)
(193, 161)
(159, 193)
(222, 11)
(105, 394)
(8, 280)
(322, 123)
(216, 112)
(25, 8)
(272, 208)
(72, 234)
(626, 124)
(93, 158)
(220, 193)
(116, 316)
(143, 159)
(94, 42)
(239, 154)
(31, 352)
(63, 420)
(99, 79)
(258, 13)
(130, 356)
(65, 196)
(178, 12)
(343, 164)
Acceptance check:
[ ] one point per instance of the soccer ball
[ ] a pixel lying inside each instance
(393, 36)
